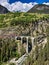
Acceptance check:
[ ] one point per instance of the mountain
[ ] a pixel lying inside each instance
(40, 8)
(3, 10)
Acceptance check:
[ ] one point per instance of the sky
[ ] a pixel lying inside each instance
(21, 5)
(27, 1)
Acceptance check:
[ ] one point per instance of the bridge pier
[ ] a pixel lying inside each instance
(27, 39)
(21, 40)
(27, 45)
(32, 41)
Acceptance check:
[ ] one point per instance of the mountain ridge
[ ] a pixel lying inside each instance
(40, 8)
(3, 10)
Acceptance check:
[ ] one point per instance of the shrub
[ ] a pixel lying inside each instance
(11, 64)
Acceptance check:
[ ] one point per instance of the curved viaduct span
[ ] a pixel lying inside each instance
(27, 40)
(24, 57)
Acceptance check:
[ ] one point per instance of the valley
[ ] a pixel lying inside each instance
(17, 31)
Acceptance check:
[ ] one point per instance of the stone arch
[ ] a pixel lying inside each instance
(27, 41)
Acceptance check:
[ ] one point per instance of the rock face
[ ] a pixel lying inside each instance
(40, 8)
(33, 29)
(3, 10)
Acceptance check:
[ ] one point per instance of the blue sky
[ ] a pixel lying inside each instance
(27, 1)
(21, 5)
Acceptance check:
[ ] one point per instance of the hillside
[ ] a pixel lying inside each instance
(14, 19)
(24, 24)
(3, 10)
(40, 8)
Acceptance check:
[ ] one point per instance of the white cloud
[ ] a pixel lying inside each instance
(17, 6)
(7, 5)
(2, 1)
(22, 6)
(47, 3)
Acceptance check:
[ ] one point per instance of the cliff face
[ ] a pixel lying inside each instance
(32, 29)
(23, 24)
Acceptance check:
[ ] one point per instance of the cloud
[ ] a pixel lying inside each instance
(22, 6)
(2, 1)
(47, 3)
(7, 5)
(17, 6)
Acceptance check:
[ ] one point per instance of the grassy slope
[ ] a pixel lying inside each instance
(13, 19)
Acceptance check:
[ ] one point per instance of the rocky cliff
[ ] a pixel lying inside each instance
(23, 24)
(32, 29)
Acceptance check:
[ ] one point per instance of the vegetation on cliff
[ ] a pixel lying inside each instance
(25, 23)
(13, 19)
(39, 56)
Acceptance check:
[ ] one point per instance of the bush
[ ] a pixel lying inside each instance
(11, 64)
(13, 22)
(17, 55)
(35, 63)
